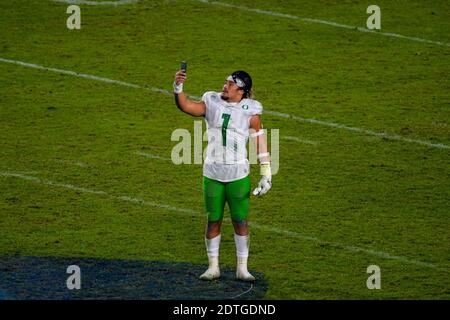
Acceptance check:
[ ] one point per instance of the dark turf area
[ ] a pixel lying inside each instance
(45, 278)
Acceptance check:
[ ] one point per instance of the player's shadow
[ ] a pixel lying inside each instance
(46, 278)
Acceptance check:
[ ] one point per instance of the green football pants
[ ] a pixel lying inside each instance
(235, 193)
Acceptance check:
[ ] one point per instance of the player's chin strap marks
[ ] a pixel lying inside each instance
(177, 88)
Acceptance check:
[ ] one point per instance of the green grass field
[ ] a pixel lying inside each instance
(345, 196)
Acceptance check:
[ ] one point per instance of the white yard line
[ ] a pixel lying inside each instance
(152, 156)
(382, 135)
(273, 113)
(319, 21)
(75, 163)
(98, 3)
(297, 139)
(379, 254)
(103, 193)
(241, 294)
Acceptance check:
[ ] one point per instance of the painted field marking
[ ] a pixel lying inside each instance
(241, 294)
(152, 156)
(381, 135)
(266, 12)
(297, 139)
(98, 3)
(273, 113)
(91, 191)
(379, 254)
(73, 162)
(319, 21)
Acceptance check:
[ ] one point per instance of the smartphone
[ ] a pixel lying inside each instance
(184, 65)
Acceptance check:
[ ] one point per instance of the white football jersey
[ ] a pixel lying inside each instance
(227, 125)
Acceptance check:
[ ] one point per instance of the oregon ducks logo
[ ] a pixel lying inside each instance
(245, 106)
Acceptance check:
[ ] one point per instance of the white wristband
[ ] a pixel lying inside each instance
(256, 134)
(177, 88)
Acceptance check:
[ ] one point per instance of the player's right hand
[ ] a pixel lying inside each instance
(180, 77)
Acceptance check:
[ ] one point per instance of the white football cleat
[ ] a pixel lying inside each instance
(244, 275)
(211, 274)
(242, 272)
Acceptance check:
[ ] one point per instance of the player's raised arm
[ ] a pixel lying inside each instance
(265, 183)
(194, 108)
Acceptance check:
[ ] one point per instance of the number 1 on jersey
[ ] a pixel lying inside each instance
(226, 120)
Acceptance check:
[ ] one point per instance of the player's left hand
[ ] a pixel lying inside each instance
(264, 185)
(180, 77)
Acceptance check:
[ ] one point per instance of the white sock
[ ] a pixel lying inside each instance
(212, 250)
(242, 246)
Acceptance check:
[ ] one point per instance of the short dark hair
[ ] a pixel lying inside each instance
(247, 79)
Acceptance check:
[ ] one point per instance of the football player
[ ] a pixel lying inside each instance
(231, 116)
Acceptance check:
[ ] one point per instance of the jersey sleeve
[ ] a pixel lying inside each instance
(256, 108)
(206, 98)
